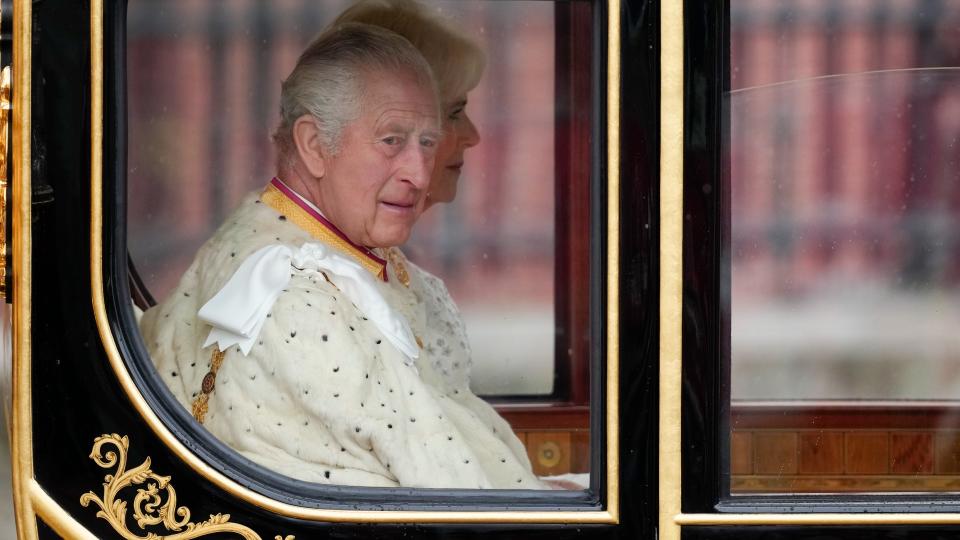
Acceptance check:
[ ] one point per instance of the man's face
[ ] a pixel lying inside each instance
(374, 188)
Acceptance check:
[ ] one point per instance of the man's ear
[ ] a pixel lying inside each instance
(309, 143)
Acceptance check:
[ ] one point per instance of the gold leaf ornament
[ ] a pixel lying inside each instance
(155, 502)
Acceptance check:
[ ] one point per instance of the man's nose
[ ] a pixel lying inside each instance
(418, 165)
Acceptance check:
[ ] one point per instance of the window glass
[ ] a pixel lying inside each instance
(204, 82)
(844, 198)
(493, 245)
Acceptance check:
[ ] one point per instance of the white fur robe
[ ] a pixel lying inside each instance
(322, 396)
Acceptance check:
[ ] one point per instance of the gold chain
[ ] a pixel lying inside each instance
(201, 403)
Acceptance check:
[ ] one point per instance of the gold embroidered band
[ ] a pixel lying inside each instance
(275, 197)
(200, 404)
(400, 269)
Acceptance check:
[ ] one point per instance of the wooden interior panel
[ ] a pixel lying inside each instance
(775, 452)
(911, 452)
(741, 452)
(947, 456)
(572, 156)
(866, 453)
(844, 415)
(545, 416)
(856, 448)
(821, 452)
(580, 451)
(549, 452)
(846, 448)
(562, 424)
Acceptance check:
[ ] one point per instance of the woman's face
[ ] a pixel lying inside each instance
(459, 133)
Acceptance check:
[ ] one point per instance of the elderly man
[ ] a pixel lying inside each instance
(300, 335)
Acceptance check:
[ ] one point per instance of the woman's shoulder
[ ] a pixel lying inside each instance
(420, 278)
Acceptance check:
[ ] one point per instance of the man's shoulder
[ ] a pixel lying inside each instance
(251, 226)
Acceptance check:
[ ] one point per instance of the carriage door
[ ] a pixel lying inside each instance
(810, 269)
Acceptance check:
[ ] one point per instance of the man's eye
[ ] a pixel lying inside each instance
(455, 114)
(428, 142)
(392, 140)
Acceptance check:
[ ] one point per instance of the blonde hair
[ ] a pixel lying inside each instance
(456, 60)
(328, 80)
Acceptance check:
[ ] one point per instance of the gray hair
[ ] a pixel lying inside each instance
(328, 80)
(456, 60)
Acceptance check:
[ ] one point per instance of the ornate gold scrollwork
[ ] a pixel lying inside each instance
(5, 106)
(154, 504)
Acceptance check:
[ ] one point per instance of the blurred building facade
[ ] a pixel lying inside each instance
(845, 198)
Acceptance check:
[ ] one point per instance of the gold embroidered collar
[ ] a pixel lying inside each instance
(290, 206)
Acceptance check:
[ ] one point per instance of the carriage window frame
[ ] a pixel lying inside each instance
(239, 476)
(700, 503)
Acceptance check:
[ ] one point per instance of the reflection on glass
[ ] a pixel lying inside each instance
(201, 113)
(844, 251)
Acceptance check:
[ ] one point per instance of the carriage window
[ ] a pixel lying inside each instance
(844, 207)
(486, 282)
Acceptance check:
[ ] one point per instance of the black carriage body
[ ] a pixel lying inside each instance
(75, 395)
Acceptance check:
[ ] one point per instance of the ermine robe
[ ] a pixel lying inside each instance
(322, 395)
